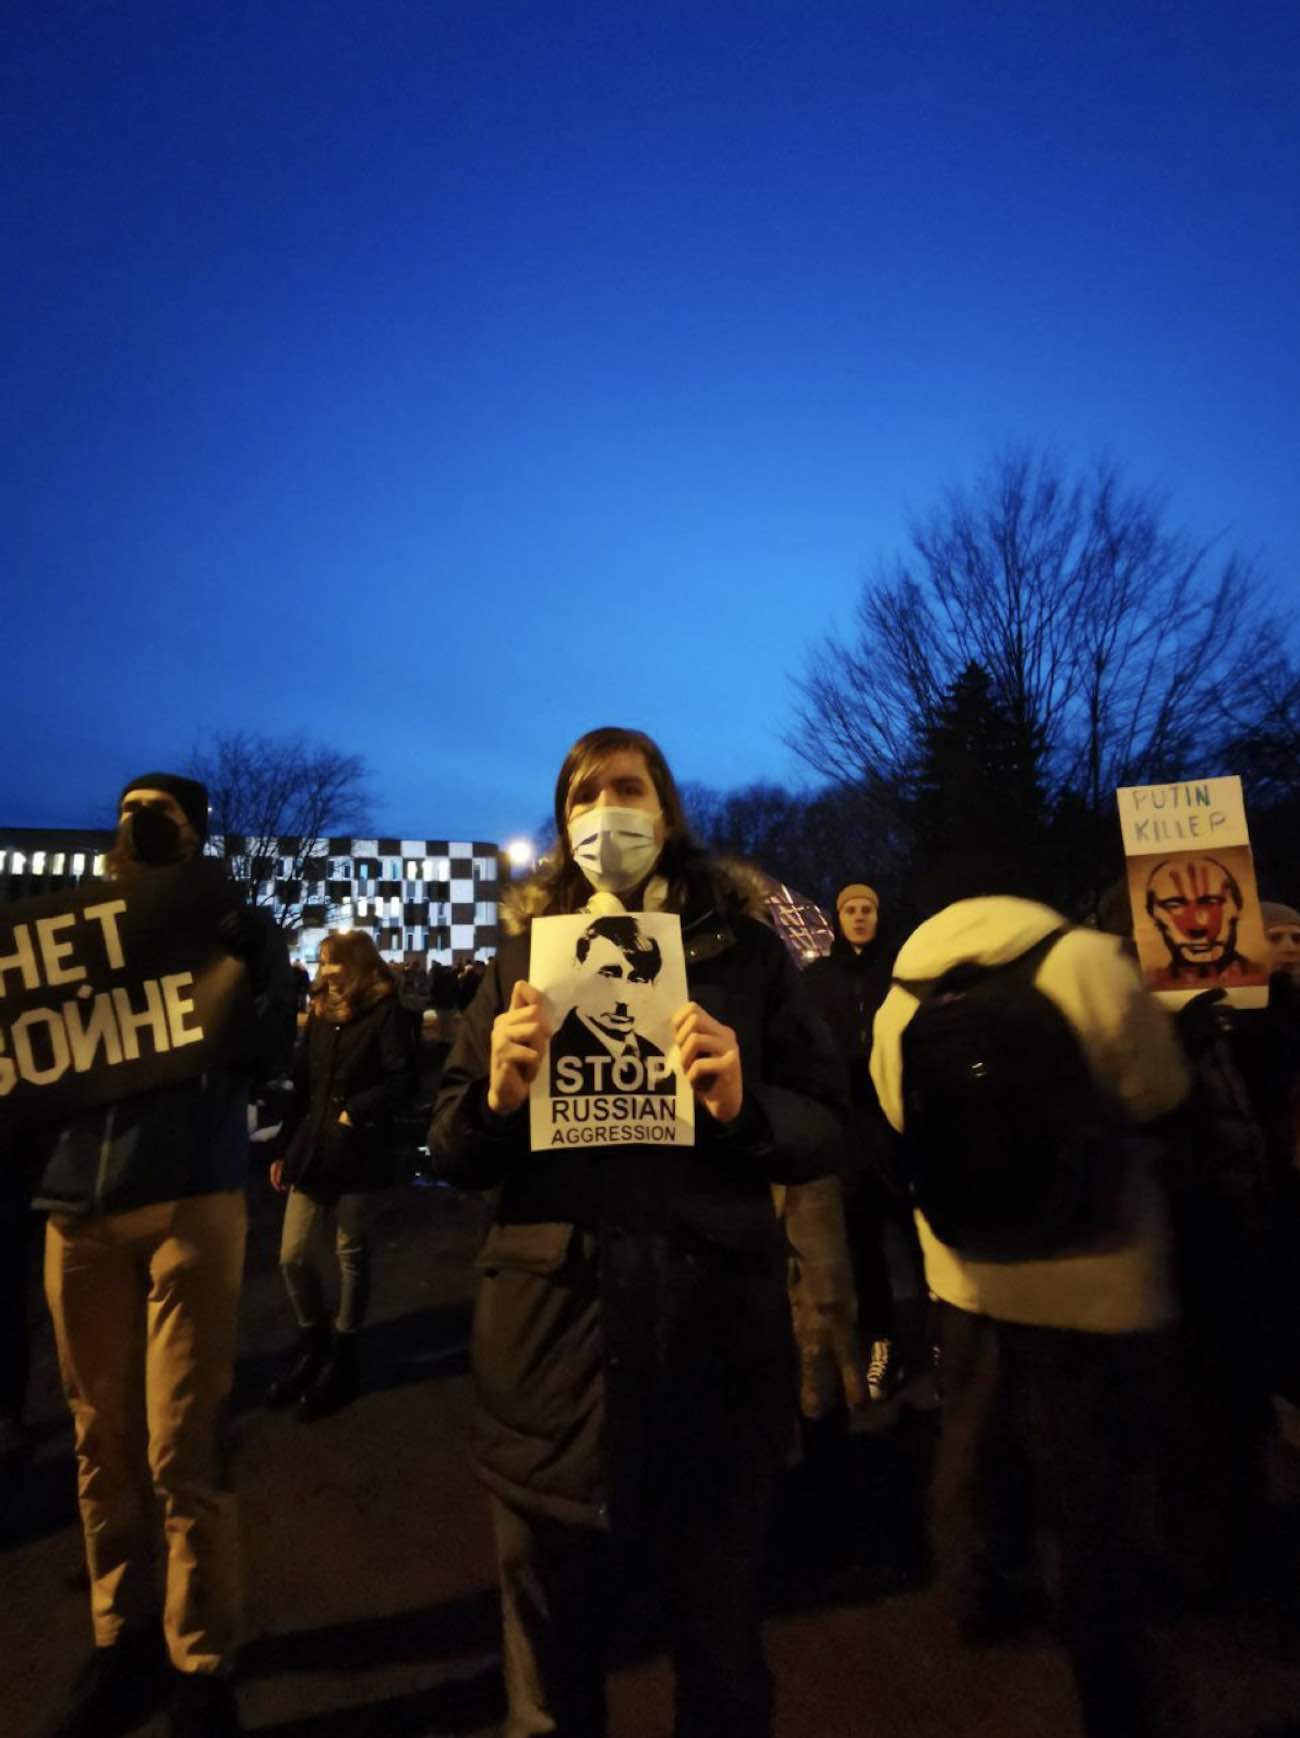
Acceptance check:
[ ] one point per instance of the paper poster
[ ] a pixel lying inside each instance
(1191, 882)
(612, 1073)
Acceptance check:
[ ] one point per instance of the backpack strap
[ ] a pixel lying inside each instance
(968, 972)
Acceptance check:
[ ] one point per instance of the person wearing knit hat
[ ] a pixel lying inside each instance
(857, 907)
(185, 800)
(848, 986)
(1282, 933)
(144, 1259)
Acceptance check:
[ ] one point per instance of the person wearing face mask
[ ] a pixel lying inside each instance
(144, 1260)
(631, 1346)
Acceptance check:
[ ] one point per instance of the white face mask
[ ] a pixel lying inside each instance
(614, 848)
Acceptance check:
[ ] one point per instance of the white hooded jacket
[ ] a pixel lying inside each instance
(1123, 1285)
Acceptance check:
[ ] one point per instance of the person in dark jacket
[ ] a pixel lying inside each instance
(144, 1259)
(631, 1345)
(354, 1066)
(848, 985)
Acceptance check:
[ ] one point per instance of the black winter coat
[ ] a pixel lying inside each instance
(366, 1066)
(632, 1333)
(847, 988)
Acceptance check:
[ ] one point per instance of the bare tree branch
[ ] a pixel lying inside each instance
(274, 801)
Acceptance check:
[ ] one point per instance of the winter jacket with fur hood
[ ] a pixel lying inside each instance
(1130, 1044)
(632, 1333)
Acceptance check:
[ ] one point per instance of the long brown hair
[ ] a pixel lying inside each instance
(365, 978)
(681, 861)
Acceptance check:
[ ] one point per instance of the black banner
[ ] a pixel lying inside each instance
(116, 988)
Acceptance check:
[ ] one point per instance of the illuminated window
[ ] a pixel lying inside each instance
(20, 862)
(56, 867)
(3, 855)
(97, 867)
(38, 862)
(79, 863)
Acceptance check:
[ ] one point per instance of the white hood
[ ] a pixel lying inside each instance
(1123, 1284)
(985, 932)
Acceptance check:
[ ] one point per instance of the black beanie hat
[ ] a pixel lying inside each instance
(189, 793)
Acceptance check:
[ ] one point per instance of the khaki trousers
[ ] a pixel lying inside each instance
(145, 1305)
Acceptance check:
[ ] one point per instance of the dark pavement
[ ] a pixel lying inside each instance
(369, 1573)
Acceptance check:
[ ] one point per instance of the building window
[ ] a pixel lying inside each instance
(56, 866)
(38, 862)
(19, 863)
(97, 867)
(79, 863)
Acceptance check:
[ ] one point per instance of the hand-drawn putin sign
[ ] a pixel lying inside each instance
(115, 989)
(612, 1073)
(1191, 880)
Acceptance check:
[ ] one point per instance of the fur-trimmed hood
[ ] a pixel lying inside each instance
(739, 890)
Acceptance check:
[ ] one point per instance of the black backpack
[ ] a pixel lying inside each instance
(1009, 1148)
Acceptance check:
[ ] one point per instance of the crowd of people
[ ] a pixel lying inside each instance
(986, 1161)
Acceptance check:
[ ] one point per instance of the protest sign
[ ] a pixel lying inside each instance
(112, 989)
(612, 1073)
(1191, 882)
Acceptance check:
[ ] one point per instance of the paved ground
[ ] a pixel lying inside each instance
(369, 1569)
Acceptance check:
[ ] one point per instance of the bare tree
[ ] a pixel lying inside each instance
(1261, 724)
(1104, 632)
(274, 801)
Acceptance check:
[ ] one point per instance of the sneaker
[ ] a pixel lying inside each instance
(882, 1371)
(118, 1688)
(202, 1706)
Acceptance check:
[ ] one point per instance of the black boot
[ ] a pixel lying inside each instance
(117, 1689)
(337, 1383)
(202, 1706)
(313, 1350)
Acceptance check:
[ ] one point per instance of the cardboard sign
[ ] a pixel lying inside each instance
(114, 989)
(612, 1073)
(1191, 881)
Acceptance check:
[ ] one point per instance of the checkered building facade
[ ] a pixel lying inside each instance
(427, 899)
(431, 899)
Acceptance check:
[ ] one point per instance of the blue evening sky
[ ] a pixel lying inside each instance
(445, 377)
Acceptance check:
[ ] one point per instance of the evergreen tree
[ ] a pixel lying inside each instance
(978, 817)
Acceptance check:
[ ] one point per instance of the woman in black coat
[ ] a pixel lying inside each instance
(632, 1337)
(354, 1065)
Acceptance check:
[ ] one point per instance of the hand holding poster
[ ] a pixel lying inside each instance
(1191, 880)
(612, 1072)
(115, 989)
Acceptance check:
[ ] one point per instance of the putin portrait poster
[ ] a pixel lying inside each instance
(1191, 882)
(612, 1072)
